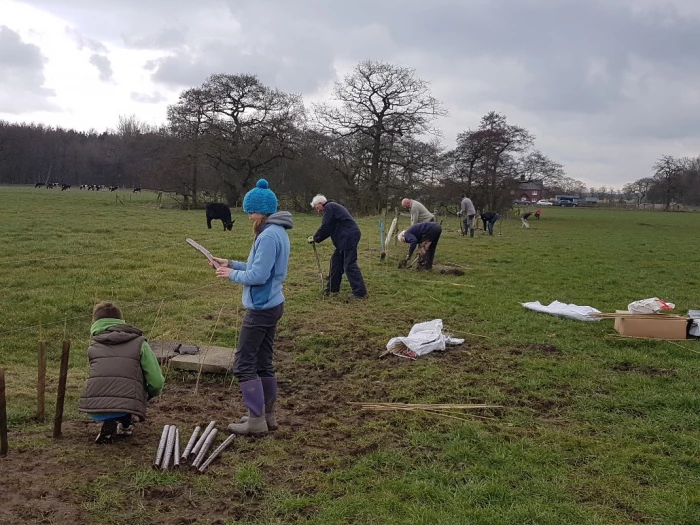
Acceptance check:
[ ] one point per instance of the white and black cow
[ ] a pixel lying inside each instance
(218, 210)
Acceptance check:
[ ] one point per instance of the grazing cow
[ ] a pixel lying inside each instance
(38, 184)
(65, 187)
(137, 190)
(113, 188)
(218, 210)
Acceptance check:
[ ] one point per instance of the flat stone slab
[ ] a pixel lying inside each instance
(212, 359)
(164, 350)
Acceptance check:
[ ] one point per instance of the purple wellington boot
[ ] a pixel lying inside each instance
(254, 400)
(269, 385)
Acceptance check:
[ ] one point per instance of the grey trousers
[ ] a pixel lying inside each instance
(253, 358)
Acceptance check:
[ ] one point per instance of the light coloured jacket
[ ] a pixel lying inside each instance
(468, 206)
(264, 273)
(420, 213)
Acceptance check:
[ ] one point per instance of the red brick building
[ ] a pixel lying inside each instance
(528, 191)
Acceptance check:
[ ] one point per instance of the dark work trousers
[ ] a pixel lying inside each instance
(491, 223)
(253, 357)
(468, 223)
(344, 261)
(425, 262)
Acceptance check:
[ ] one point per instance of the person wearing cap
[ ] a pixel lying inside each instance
(339, 225)
(262, 277)
(419, 213)
(425, 234)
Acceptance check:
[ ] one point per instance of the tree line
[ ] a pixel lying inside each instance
(372, 143)
(676, 180)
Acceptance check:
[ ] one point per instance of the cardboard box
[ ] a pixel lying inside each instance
(663, 327)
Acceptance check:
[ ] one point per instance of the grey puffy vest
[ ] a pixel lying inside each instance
(116, 382)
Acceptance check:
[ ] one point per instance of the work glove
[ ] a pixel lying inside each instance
(310, 239)
(459, 213)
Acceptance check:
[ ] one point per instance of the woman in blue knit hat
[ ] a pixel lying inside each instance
(262, 277)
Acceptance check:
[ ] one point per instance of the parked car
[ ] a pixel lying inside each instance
(544, 203)
(567, 204)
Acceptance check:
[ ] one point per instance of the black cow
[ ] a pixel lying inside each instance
(218, 210)
(38, 184)
(65, 187)
(113, 188)
(137, 190)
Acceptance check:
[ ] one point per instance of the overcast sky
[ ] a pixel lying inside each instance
(606, 86)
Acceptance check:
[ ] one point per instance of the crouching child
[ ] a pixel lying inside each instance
(124, 374)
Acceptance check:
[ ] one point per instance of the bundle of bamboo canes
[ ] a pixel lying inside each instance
(615, 315)
(445, 410)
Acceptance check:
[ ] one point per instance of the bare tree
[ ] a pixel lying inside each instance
(252, 127)
(536, 166)
(668, 173)
(498, 167)
(471, 147)
(189, 122)
(382, 103)
(638, 188)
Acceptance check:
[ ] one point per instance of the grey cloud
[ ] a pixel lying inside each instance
(145, 98)
(84, 42)
(292, 72)
(21, 75)
(168, 38)
(103, 65)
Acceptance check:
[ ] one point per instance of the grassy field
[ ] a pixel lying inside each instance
(594, 430)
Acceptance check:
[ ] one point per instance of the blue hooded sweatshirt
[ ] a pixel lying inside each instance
(264, 272)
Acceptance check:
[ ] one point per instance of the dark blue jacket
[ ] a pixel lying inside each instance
(339, 225)
(423, 231)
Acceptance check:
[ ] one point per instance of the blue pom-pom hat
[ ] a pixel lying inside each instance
(260, 199)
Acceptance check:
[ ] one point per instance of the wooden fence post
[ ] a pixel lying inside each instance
(61, 396)
(41, 383)
(3, 415)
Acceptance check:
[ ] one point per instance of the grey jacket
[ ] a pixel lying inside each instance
(116, 382)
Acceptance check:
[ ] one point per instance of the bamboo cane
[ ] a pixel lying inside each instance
(203, 451)
(161, 447)
(216, 453)
(61, 396)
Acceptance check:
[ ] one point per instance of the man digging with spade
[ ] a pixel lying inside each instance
(339, 225)
(425, 234)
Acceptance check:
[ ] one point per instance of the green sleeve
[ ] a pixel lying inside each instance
(151, 370)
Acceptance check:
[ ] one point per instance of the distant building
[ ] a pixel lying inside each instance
(528, 191)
